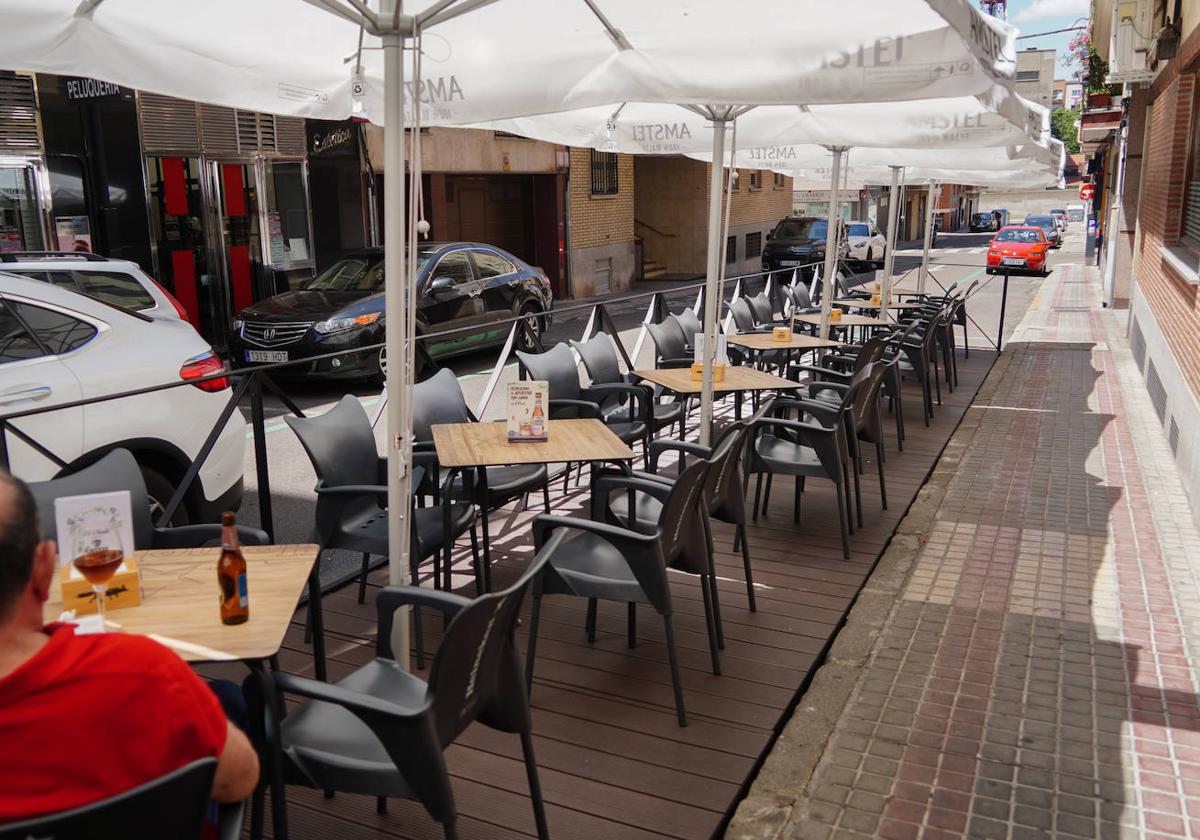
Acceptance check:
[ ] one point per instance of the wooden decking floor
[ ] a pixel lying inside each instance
(613, 762)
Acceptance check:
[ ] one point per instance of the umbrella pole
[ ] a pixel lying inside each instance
(828, 281)
(928, 237)
(713, 278)
(399, 379)
(889, 253)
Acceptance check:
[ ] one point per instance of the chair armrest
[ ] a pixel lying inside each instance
(353, 701)
(584, 407)
(815, 388)
(352, 490)
(607, 482)
(196, 536)
(676, 362)
(823, 371)
(640, 395)
(392, 598)
(801, 428)
(658, 447)
(544, 524)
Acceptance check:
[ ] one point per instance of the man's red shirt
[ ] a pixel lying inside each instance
(89, 717)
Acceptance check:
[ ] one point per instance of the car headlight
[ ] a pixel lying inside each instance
(349, 322)
(237, 326)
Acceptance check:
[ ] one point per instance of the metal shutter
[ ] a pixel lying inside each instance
(289, 135)
(1191, 212)
(168, 124)
(218, 128)
(18, 115)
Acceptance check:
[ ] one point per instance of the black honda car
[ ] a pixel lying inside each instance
(465, 286)
(800, 241)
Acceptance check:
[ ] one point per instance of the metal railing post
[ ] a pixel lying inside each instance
(1003, 307)
(4, 444)
(266, 515)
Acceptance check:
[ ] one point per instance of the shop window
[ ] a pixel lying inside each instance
(287, 216)
(604, 173)
(20, 217)
(730, 249)
(780, 181)
(753, 244)
(755, 179)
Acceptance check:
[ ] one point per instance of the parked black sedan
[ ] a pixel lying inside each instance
(800, 241)
(464, 286)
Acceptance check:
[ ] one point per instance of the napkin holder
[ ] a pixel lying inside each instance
(781, 334)
(124, 589)
(835, 315)
(698, 372)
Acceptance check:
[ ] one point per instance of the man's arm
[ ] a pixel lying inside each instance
(237, 768)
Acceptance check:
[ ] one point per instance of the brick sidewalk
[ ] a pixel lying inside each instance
(1019, 664)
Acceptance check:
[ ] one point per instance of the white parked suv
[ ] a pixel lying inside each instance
(866, 242)
(119, 282)
(58, 346)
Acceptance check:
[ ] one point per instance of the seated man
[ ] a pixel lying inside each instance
(83, 718)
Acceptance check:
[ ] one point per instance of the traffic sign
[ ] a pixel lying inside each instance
(1086, 191)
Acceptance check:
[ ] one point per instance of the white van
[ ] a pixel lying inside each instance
(1075, 212)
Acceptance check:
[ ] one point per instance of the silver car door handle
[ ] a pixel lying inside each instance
(28, 395)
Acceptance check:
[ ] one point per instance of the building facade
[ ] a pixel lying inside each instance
(1156, 223)
(1034, 78)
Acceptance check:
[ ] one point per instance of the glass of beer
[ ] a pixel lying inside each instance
(96, 549)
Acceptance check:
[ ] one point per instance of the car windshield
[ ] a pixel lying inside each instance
(1039, 221)
(860, 230)
(1018, 235)
(981, 218)
(1058, 212)
(800, 229)
(356, 274)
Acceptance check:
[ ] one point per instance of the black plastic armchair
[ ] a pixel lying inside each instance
(382, 731)
(352, 511)
(118, 470)
(671, 350)
(604, 561)
(600, 361)
(690, 324)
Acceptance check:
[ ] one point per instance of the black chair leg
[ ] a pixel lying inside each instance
(535, 612)
(362, 579)
(418, 628)
(796, 501)
(680, 715)
(535, 787)
(716, 602)
(842, 520)
(741, 532)
(591, 619)
(546, 495)
(476, 563)
(757, 495)
(316, 621)
(632, 625)
(882, 482)
(710, 625)
(381, 805)
(767, 494)
(257, 817)
(450, 829)
(858, 491)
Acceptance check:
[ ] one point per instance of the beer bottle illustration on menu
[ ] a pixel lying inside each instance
(538, 425)
(231, 574)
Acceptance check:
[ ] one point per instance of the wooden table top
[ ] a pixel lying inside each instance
(764, 341)
(858, 303)
(846, 321)
(179, 605)
(740, 378)
(486, 444)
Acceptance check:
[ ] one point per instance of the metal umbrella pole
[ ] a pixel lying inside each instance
(828, 281)
(928, 237)
(399, 379)
(889, 253)
(713, 278)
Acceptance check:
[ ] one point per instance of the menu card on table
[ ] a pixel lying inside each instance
(722, 349)
(528, 406)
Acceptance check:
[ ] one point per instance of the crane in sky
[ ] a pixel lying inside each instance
(995, 8)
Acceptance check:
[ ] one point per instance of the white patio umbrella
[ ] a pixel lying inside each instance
(339, 58)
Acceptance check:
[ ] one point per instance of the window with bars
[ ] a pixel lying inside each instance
(780, 182)
(753, 244)
(756, 179)
(730, 249)
(1191, 196)
(604, 173)
(1028, 75)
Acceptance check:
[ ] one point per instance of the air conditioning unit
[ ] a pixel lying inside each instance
(1132, 39)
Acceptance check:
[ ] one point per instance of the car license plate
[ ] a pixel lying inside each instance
(1014, 261)
(266, 356)
(789, 263)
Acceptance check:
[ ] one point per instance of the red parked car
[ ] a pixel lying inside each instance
(1018, 248)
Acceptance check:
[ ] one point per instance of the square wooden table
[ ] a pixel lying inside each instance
(465, 445)
(738, 380)
(845, 321)
(859, 303)
(764, 341)
(179, 606)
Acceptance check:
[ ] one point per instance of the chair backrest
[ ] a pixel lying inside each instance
(689, 323)
(556, 366)
(476, 673)
(683, 539)
(174, 805)
(340, 444)
(743, 316)
(723, 493)
(599, 359)
(761, 308)
(872, 351)
(115, 471)
(667, 340)
(439, 399)
(800, 297)
(863, 402)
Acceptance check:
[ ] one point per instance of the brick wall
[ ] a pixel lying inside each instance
(766, 204)
(600, 219)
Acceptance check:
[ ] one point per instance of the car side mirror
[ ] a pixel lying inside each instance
(441, 284)
(770, 236)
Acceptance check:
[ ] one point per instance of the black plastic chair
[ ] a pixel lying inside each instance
(382, 731)
(352, 511)
(611, 563)
(919, 353)
(174, 805)
(600, 361)
(118, 470)
(437, 400)
(690, 324)
(671, 350)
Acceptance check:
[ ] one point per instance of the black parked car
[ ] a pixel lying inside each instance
(800, 240)
(1047, 224)
(984, 222)
(459, 285)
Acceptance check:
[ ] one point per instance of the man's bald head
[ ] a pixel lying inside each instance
(19, 537)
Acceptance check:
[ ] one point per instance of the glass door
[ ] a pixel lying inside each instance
(239, 247)
(180, 247)
(22, 219)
